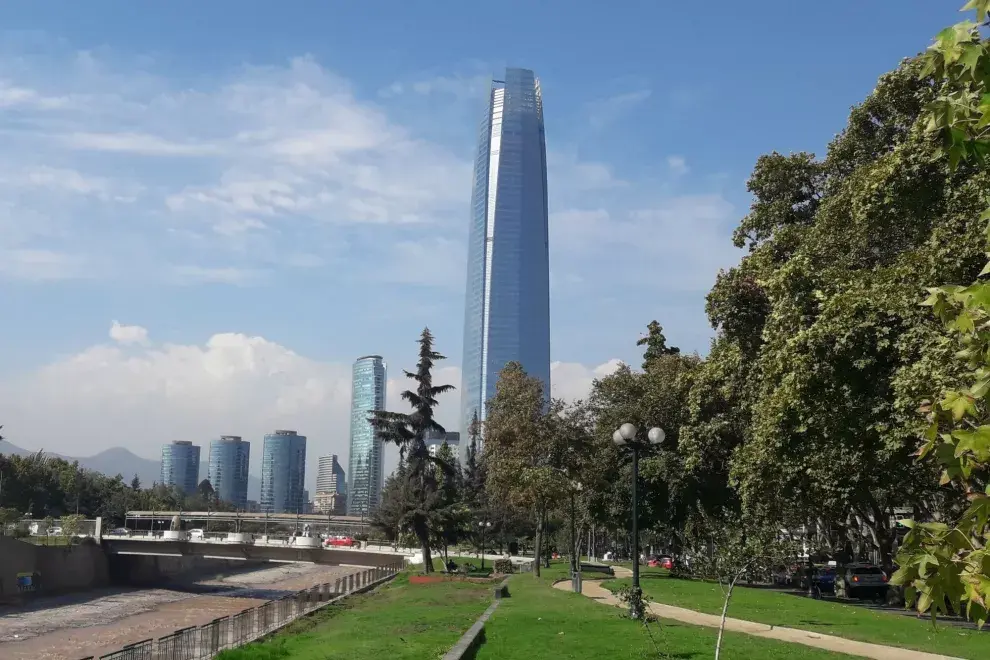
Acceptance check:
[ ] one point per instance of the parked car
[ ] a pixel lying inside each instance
(861, 581)
(120, 531)
(825, 579)
(196, 534)
(660, 562)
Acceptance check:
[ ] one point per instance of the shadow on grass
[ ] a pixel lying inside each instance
(472, 652)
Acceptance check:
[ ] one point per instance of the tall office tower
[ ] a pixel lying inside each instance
(507, 304)
(365, 466)
(180, 465)
(435, 440)
(228, 472)
(330, 476)
(283, 471)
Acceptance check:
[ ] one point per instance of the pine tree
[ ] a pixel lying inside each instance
(408, 431)
(656, 344)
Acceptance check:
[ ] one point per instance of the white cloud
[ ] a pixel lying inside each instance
(39, 265)
(677, 165)
(188, 275)
(128, 334)
(140, 394)
(281, 153)
(678, 244)
(607, 111)
(136, 143)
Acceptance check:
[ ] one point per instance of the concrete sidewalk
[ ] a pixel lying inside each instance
(594, 590)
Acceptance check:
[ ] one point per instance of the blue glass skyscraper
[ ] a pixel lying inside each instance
(507, 305)
(228, 472)
(365, 465)
(283, 471)
(180, 465)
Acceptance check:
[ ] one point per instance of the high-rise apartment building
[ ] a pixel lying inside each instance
(507, 304)
(283, 472)
(180, 465)
(365, 466)
(435, 440)
(230, 457)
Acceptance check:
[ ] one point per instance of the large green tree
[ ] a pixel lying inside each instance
(821, 350)
(945, 565)
(533, 448)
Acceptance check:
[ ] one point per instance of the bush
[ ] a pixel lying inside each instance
(503, 566)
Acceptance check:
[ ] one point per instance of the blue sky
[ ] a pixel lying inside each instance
(292, 180)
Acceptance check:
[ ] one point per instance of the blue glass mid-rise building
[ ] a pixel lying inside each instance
(283, 472)
(180, 465)
(365, 466)
(507, 305)
(228, 471)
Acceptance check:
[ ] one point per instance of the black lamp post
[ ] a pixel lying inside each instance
(625, 436)
(483, 526)
(575, 489)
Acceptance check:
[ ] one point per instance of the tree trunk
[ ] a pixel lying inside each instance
(538, 544)
(423, 534)
(725, 609)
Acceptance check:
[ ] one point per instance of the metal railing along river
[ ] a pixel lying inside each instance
(227, 632)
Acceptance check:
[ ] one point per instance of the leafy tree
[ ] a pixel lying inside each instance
(71, 525)
(408, 431)
(656, 396)
(452, 514)
(945, 566)
(474, 468)
(529, 446)
(205, 490)
(135, 483)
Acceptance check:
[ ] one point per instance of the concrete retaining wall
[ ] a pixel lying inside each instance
(149, 570)
(56, 569)
(88, 566)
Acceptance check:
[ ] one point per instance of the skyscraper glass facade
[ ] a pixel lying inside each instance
(283, 471)
(228, 472)
(365, 466)
(507, 305)
(180, 465)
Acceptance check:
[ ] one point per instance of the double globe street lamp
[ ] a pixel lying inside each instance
(625, 438)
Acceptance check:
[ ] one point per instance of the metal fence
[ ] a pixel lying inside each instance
(206, 641)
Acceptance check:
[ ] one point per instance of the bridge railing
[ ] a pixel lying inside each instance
(228, 632)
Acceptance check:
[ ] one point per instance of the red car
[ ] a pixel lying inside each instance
(661, 562)
(338, 542)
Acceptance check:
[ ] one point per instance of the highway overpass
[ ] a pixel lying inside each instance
(262, 522)
(249, 550)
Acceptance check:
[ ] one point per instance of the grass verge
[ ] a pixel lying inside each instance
(832, 618)
(538, 621)
(399, 620)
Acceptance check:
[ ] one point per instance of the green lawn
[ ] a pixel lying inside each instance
(839, 619)
(399, 620)
(537, 621)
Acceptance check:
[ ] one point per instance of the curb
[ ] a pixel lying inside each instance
(475, 636)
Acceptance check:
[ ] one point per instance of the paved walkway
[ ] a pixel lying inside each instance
(594, 590)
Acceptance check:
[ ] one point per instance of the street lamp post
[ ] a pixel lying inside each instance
(625, 436)
(483, 526)
(575, 489)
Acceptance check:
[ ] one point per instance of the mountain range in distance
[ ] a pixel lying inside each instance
(118, 460)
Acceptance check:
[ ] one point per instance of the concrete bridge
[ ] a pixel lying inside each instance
(243, 547)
